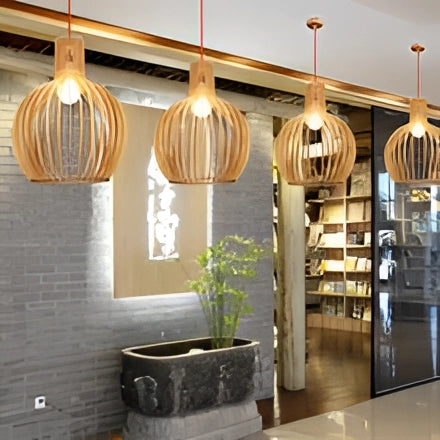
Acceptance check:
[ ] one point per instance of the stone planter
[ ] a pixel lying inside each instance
(168, 380)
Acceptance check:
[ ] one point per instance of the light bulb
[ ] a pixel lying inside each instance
(68, 91)
(418, 130)
(201, 107)
(314, 121)
(313, 150)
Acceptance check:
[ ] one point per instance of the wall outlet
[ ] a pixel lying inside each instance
(40, 402)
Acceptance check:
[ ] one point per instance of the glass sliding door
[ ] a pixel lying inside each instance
(406, 272)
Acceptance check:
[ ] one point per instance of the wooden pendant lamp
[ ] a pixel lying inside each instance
(315, 147)
(412, 153)
(69, 130)
(202, 139)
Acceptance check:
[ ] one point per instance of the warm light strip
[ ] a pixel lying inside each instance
(175, 50)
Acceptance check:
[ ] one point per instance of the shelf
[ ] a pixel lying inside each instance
(348, 271)
(428, 202)
(359, 197)
(394, 220)
(357, 221)
(410, 246)
(322, 293)
(356, 295)
(338, 294)
(358, 246)
(327, 200)
(340, 199)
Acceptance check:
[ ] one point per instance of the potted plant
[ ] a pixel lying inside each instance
(181, 377)
(224, 267)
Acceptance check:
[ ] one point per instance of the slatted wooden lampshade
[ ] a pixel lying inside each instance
(202, 139)
(412, 153)
(315, 147)
(69, 130)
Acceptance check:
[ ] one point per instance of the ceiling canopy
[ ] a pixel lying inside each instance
(364, 42)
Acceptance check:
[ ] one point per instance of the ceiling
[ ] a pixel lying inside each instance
(420, 13)
(363, 42)
(21, 43)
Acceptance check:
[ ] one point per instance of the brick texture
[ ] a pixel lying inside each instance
(61, 331)
(246, 208)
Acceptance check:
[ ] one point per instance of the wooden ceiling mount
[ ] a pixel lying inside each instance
(314, 23)
(417, 48)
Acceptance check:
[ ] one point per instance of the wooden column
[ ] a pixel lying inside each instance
(291, 287)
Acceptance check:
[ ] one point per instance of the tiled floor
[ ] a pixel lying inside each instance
(411, 414)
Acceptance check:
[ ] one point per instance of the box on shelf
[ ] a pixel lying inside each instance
(350, 287)
(351, 263)
(356, 211)
(315, 232)
(367, 238)
(361, 179)
(336, 239)
(332, 265)
(367, 211)
(361, 264)
(331, 286)
(333, 213)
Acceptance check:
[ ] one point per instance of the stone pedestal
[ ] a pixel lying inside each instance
(228, 422)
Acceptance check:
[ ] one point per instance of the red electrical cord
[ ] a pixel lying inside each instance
(419, 81)
(201, 29)
(315, 33)
(69, 18)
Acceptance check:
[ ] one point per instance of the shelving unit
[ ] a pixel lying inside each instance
(338, 273)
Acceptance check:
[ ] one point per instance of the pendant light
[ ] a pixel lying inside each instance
(412, 153)
(69, 130)
(202, 139)
(315, 147)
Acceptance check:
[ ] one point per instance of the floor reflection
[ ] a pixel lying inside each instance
(337, 375)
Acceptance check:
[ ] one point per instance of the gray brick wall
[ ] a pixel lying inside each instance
(246, 208)
(61, 331)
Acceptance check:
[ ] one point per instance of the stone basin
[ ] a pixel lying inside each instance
(166, 379)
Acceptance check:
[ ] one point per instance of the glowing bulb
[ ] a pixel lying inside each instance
(68, 91)
(201, 107)
(313, 150)
(418, 130)
(314, 121)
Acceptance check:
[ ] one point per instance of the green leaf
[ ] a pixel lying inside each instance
(223, 267)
